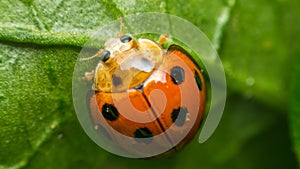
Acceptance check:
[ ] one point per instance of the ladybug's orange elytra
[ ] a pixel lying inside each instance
(141, 91)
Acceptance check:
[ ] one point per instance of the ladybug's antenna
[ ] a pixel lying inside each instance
(121, 33)
(98, 54)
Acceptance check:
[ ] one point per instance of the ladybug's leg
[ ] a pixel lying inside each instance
(88, 76)
(163, 39)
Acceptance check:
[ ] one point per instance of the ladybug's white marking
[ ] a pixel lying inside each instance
(137, 62)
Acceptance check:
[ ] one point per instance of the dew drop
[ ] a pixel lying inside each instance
(1, 96)
(250, 81)
(60, 136)
(53, 126)
(162, 5)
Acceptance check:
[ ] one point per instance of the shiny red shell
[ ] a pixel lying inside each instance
(170, 102)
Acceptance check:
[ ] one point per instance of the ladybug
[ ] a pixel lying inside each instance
(153, 97)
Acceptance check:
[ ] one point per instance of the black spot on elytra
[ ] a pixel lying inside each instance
(143, 135)
(177, 75)
(198, 80)
(102, 131)
(179, 116)
(139, 87)
(116, 80)
(110, 112)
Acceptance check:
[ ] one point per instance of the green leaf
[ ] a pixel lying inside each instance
(210, 16)
(295, 109)
(64, 22)
(258, 66)
(264, 36)
(68, 147)
(292, 36)
(33, 103)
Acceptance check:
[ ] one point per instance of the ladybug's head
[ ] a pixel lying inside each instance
(126, 63)
(115, 46)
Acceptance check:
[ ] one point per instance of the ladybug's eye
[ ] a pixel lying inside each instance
(125, 38)
(105, 55)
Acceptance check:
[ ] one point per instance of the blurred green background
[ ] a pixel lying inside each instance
(257, 42)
